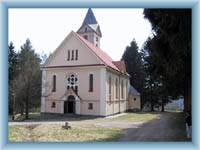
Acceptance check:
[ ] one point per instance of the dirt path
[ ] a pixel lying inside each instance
(156, 130)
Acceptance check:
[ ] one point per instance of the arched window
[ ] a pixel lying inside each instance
(68, 55)
(122, 89)
(91, 83)
(76, 57)
(126, 89)
(54, 83)
(109, 87)
(116, 88)
(72, 55)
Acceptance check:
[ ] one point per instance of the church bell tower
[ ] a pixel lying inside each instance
(90, 29)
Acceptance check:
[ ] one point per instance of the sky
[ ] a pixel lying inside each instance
(47, 28)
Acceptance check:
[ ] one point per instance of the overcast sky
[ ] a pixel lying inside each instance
(47, 28)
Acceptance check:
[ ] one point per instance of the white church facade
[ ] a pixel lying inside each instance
(81, 78)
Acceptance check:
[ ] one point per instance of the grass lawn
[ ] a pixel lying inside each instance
(83, 129)
(19, 117)
(136, 117)
(55, 132)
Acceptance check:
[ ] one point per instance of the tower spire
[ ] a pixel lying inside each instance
(90, 29)
(90, 18)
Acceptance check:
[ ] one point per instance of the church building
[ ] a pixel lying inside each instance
(80, 78)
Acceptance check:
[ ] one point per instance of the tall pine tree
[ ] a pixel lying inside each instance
(170, 49)
(29, 78)
(134, 66)
(12, 63)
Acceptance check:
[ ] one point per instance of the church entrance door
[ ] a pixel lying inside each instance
(69, 105)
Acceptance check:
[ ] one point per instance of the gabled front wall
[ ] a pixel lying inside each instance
(85, 56)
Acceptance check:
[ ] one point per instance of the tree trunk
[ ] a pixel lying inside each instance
(187, 97)
(187, 101)
(142, 101)
(152, 102)
(27, 100)
(27, 110)
(163, 106)
(21, 109)
(152, 106)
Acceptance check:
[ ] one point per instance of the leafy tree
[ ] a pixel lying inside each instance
(170, 50)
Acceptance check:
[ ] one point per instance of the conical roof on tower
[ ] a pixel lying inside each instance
(90, 28)
(90, 18)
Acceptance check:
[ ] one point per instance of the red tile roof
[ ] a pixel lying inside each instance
(120, 65)
(101, 54)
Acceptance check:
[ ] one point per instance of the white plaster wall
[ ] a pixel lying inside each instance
(123, 106)
(119, 104)
(57, 109)
(78, 107)
(94, 112)
(103, 92)
(116, 107)
(132, 104)
(42, 109)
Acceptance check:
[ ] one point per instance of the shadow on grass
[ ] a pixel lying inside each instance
(48, 117)
(170, 126)
(65, 117)
(52, 117)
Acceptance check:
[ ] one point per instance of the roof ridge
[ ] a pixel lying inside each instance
(99, 53)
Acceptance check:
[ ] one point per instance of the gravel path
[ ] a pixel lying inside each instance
(156, 130)
(120, 124)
